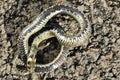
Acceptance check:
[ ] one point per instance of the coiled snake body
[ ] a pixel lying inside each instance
(39, 23)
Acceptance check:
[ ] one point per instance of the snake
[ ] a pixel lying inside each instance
(63, 39)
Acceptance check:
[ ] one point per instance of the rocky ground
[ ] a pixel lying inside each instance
(99, 60)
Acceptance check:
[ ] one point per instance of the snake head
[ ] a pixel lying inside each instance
(31, 64)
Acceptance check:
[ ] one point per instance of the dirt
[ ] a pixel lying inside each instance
(99, 60)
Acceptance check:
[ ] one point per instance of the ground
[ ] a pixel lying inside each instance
(99, 60)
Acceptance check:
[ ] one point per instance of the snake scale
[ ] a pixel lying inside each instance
(64, 40)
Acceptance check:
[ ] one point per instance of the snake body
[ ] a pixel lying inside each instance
(41, 21)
